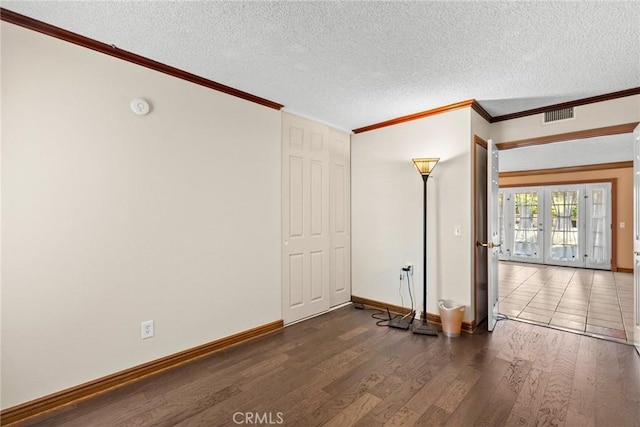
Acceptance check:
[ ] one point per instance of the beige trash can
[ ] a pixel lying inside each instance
(451, 314)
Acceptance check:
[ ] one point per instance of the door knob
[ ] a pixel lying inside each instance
(489, 245)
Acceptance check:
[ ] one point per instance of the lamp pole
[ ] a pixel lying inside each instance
(424, 250)
(424, 166)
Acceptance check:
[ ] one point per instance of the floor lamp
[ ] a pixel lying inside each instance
(425, 167)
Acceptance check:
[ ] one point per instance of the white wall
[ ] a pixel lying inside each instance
(110, 219)
(590, 116)
(479, 126)
(386, 202)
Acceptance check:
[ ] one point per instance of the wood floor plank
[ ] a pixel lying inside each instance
(629, 372)
(476, 399)
(341, 402)
(404, 417)
(117, 413)
(527, 404)
(458, 389)
(427, 395)
(615, 409)
(391, 383)
(581, 410)
(423, 367)
(555, 402)
(353, 332)
(548, 351)
(179, 409)
(387, 408)
(354, 412)
(433, 416)
(499, 407)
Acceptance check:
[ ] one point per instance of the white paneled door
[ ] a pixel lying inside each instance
(636, 238)
(315, 218)
(340, 217)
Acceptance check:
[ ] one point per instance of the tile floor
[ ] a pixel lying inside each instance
(595, 302)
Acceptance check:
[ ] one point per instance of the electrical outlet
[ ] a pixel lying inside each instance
(408, 267)
(147, 329)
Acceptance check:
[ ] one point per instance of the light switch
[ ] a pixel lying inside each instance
(457, 230)
(622, 224)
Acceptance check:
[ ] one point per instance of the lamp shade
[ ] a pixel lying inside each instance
(426, 165)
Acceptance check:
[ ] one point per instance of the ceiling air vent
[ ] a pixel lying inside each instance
(561, 114)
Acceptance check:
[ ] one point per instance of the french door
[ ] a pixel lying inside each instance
(568, 225)
(493, 243)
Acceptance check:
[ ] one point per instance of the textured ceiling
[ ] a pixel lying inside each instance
(352, 64)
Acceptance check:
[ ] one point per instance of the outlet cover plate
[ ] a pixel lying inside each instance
(147, 329)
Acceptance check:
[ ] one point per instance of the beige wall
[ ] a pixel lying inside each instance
(590, 116)
(386, 205)
(624, 202)
(110, 219)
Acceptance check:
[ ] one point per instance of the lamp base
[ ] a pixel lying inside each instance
(423, 328)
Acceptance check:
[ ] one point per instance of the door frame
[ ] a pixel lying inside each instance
(480, 295)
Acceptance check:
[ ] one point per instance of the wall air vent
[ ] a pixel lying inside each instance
(561, 114)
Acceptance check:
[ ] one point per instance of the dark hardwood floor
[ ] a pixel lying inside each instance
(340, 369)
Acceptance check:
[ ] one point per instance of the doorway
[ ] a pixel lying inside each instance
(616, 280)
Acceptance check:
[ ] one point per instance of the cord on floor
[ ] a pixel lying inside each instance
(381, 321)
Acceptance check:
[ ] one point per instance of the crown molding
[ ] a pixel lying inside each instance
(111, 50)
(481, 111)
(416, 116)
(576, 103)
(485, 115)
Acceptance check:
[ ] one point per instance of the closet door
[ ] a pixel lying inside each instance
(340, 217)
(598, 226)
(305, 218)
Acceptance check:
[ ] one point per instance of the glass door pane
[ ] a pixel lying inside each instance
(598, 226)
(526, 235)
(563, 247)
(503, 251)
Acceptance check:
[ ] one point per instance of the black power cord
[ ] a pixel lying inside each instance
(409, 287)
